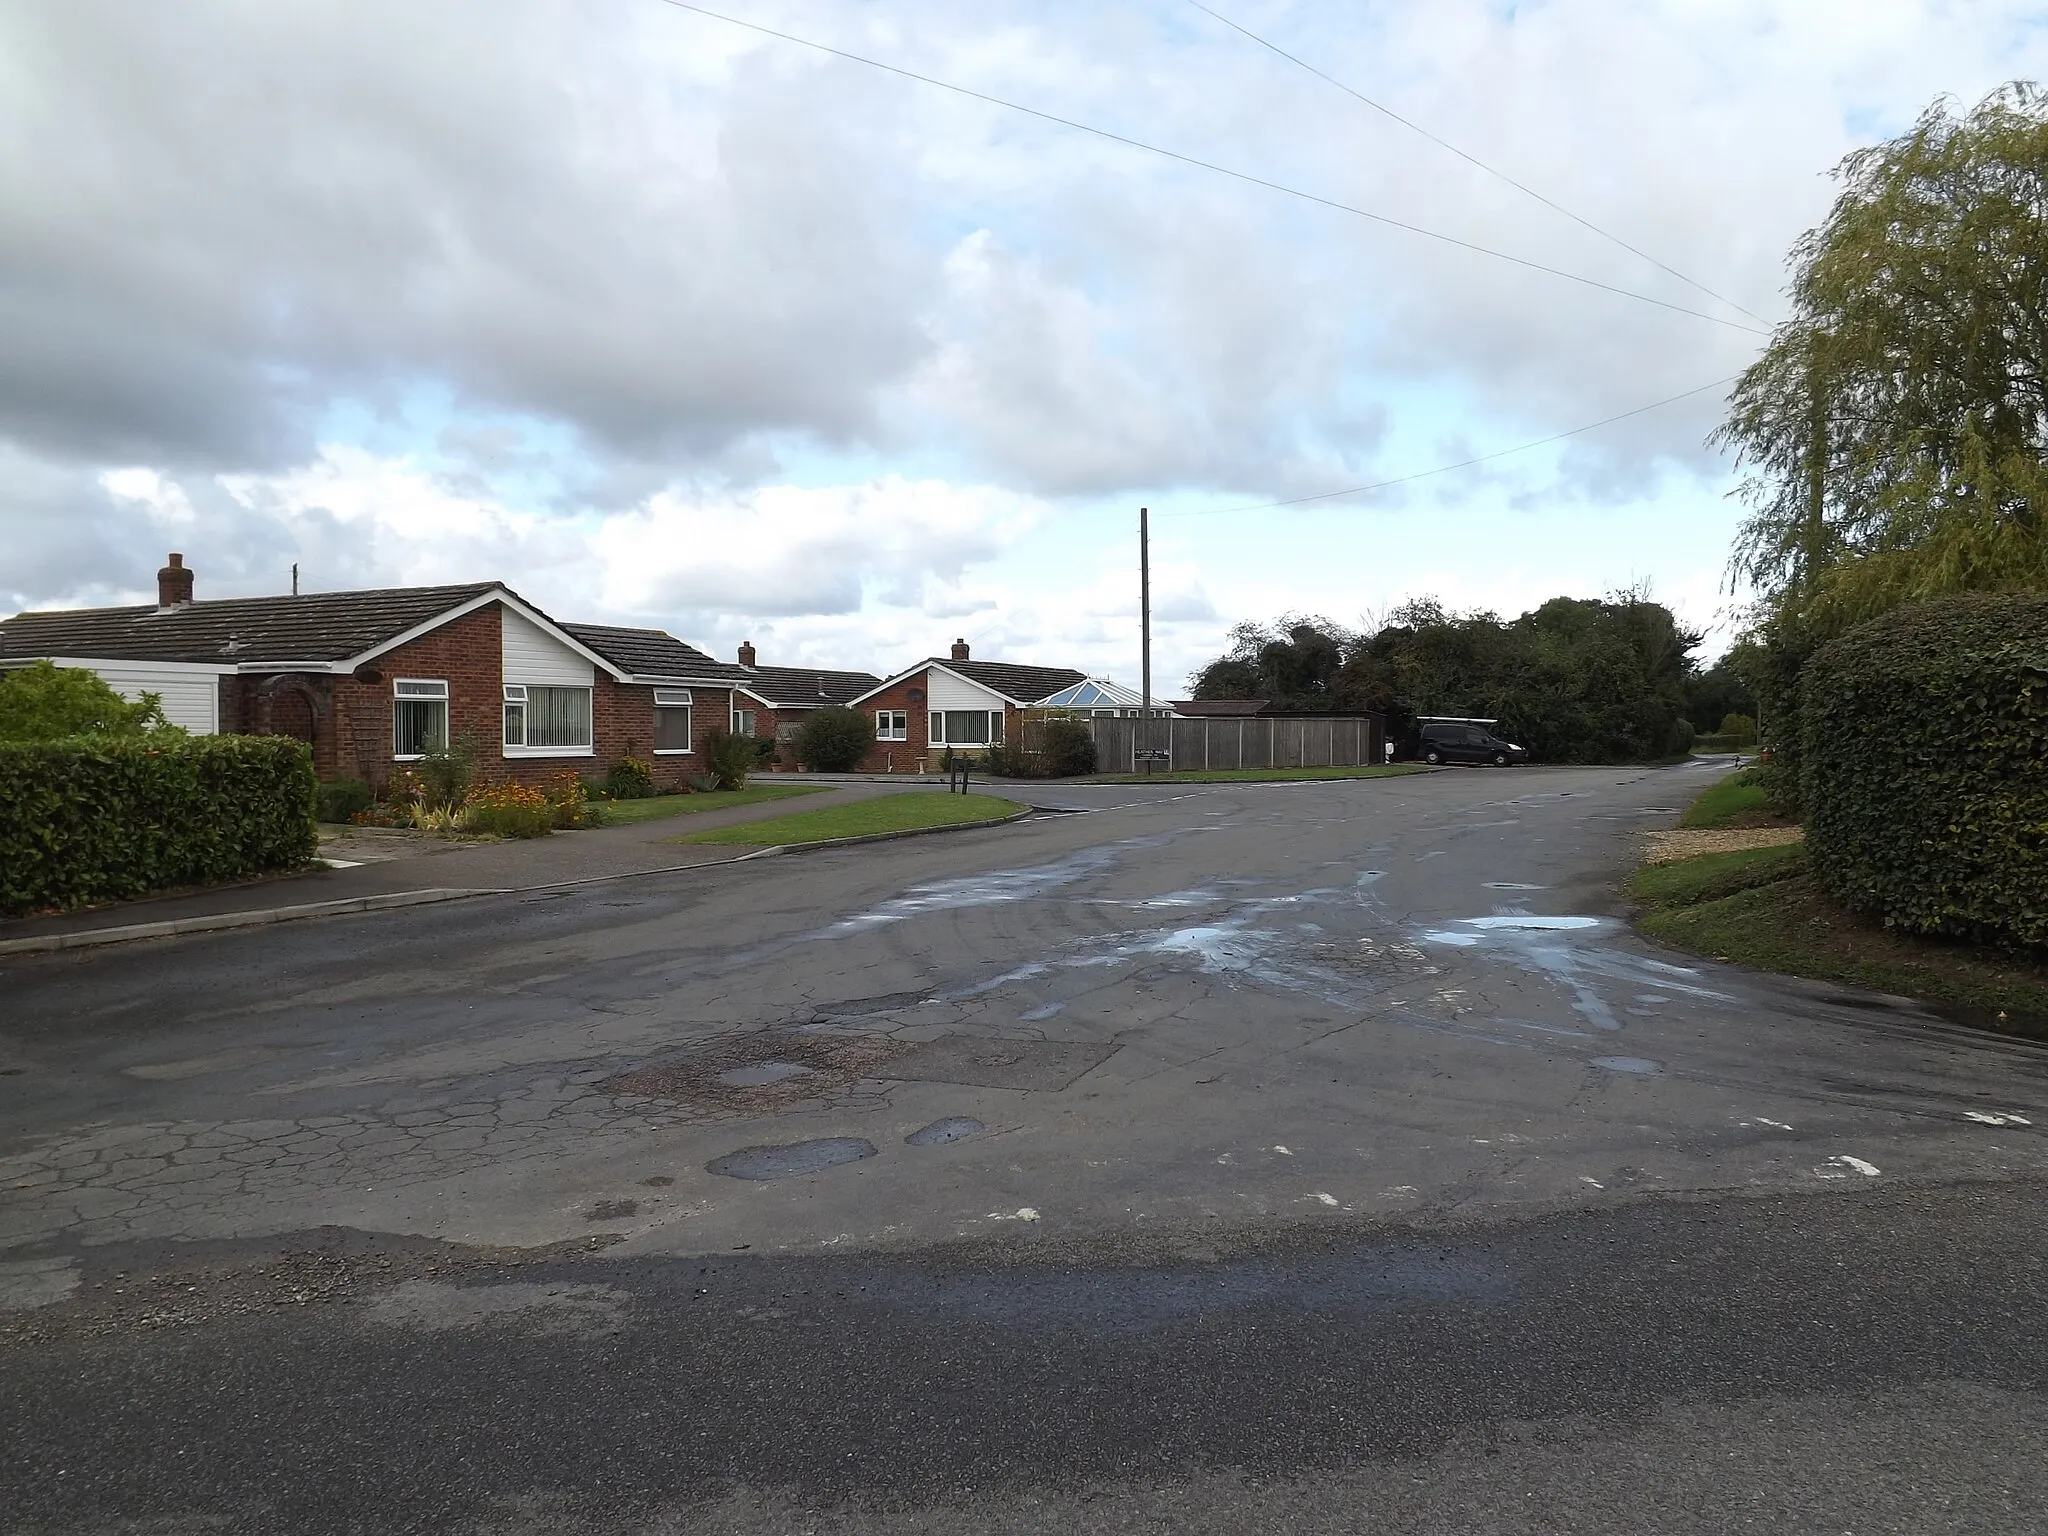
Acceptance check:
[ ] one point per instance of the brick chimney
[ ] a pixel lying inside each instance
(959, 646)
(746, 653)
(174, 584)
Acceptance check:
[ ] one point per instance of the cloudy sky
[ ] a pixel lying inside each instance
(661, 320)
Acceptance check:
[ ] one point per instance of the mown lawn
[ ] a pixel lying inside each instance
(626, 812)
(1760, 907)
(907, 811)
(1260, 775)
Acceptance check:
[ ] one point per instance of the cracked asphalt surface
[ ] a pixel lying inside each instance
(1281, 1157)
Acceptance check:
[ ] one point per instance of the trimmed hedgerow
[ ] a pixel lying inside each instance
(101, 818)
(1925, 767)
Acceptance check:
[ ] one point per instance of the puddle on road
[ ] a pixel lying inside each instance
(764, 1073)
(792, 1159)
(944, 1132)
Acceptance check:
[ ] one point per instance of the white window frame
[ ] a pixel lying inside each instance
(515, 695)
(892, 725)
(742, 715)
(521, 750)
(676, 698)
(423, 690)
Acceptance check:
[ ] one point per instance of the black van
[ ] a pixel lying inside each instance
(1447, 741)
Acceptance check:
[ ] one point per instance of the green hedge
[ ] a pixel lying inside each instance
(1925, 767)
(97, 818)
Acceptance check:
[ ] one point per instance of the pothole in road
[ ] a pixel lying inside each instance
(944, 1132)
(791, 1159)
(760, 1072)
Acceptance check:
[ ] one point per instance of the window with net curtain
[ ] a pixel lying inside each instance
(419, 717)
(966, 727)
(539, 717)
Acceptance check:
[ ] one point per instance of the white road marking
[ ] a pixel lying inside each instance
(1326, 1199)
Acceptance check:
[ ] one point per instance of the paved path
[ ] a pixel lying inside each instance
(1294, 1157)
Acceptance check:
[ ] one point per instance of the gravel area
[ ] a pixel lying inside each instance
(1684, 842)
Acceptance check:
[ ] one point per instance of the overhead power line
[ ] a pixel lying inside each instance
(1443, 143)
(1445, 469)
(1209, 165)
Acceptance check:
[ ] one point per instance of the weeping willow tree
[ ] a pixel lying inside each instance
(1895, 431)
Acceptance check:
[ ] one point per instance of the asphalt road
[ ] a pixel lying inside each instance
(1294, 1158)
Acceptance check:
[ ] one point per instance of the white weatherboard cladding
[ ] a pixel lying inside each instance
(190, 698)
(532, 655)
(945, 691)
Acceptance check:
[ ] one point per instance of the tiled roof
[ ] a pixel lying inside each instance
(1027, 685)
(316, 626)
(652, 653)
(798, 687)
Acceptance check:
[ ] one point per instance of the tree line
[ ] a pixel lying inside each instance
(1577, 680)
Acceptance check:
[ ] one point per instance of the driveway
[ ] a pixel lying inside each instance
(1014, 1135)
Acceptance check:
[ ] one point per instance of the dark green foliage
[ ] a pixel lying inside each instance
(445, 777)
(834, 739)
(631, 778)
(102, 819)
(338, 800)
(1009, 760)
(1574, 681)
(1066, 749)
(728, 759)
(765, 748)
(1926, 767)
(45, 702)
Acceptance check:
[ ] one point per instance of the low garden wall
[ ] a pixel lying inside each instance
(95, 819)
(1924, 767)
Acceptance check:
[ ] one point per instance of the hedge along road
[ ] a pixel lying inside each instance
(1296, 1128)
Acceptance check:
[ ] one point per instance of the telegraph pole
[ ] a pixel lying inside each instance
(1143, 734)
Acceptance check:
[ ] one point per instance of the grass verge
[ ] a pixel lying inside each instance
(909, 811)
(626, 812)
(1759, 907)
(1259, 775)
(1736, 801)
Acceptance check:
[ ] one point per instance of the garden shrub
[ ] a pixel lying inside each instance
(631, 778)
(101, 818)
(342, 800)
(728, 759)
(1009, 760)
(1925, 767)
(569, 801)
(442, 779)
(1066, 748)
(45, 702)
(834, 739)
(508, 810)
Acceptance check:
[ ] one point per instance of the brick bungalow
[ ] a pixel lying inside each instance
(954, 701)
(374, 680)
(773, 701)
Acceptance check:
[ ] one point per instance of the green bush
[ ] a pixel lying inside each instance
(631, 778)
(1925, 767)
(1009, 760)
(834, 739)
(728, 759)
(1741, 729)
(46, 702)
(340, 800)
(97, 819)
(445, 777)
(1066, 749)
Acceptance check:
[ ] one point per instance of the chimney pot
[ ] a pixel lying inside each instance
(174, 583)
(960, 650)
(746, 653)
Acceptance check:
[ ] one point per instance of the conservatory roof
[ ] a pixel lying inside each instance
(1095, 693)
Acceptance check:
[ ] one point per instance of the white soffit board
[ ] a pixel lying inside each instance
(532, 655)
(945, 691)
